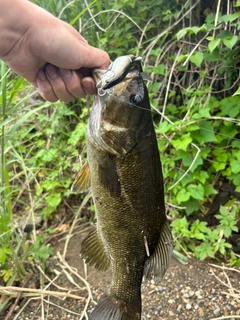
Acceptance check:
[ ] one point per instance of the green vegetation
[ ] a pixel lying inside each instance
(192, 55)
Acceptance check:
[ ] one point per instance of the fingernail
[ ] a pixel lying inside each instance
(41, 75)
(66, 73)
(51, 71)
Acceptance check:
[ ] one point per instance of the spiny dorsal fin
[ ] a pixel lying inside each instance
(82, 181)
(158, 262)
(93, 251)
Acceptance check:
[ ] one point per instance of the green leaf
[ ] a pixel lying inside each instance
(219, 166)
(197, 58)
(201, 176)
(164, 127)
(182, 196)
(183, 142)
(6, 275)
(213, 44)
(202, 114)
(53, 200)
(181, 34)
(199, 229)
(204, 250)
(207, 131)
(209, 190)
(197, 29)
(160, 69)
(181, 58)
(196, 191)
(41, 253)
(237, 92)
(180, 227)
(235, 166)
(230, 42)
(224, 34)
(4, 252)
(192, 206)
(235, 15)
(213, 56)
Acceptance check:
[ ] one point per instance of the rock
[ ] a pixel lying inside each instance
(188, 306)
(217, 312)
(200, 312)
(171, 301)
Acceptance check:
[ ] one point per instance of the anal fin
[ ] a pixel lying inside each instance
(94, 253)
(158, 262)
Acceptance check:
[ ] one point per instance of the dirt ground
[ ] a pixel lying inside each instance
(194, 291)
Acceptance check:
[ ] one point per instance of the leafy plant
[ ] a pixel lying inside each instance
(210, 242)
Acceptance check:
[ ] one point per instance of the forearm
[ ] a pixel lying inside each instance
(12, 24)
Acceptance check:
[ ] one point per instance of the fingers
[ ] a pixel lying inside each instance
(54, 84)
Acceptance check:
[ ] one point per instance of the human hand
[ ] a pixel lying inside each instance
(49, 53)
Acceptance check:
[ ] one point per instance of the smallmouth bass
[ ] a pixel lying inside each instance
(124, 171)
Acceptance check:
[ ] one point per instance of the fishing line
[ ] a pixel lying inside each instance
(185, 123)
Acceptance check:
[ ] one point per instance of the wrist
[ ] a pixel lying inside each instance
(16, 19)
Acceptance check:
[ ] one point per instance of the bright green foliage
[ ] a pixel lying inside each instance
(199, 136)
(210, 242)
(199, 150)
(39, 251)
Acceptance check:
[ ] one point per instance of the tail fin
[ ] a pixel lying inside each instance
(111, 308)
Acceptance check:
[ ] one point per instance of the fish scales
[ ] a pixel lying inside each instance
(132, 236)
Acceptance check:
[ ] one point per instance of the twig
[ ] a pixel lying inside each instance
(8, 316)
(227, 317)
(13, 291)
(60, 307)
(223, 267)
(168, 84)
(190, 167)
(222, 282)
(72, 270)
(235, 293)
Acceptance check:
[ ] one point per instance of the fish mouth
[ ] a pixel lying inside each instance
(117, 71)
(120, 69)
(98, 75)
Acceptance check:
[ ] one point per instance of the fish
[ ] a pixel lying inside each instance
(123, 170)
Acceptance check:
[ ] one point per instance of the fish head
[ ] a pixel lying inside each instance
(121, 113)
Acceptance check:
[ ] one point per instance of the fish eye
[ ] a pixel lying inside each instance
(136, 99)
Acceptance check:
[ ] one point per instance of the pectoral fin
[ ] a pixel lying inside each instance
(94, 253)
(158, 262)
(82, 181)
(108, 177)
